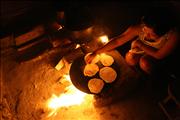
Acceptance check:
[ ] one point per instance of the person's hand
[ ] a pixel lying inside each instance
(135, 47)
(135, 44)
(90, 57)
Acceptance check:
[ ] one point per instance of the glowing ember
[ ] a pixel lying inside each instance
(71, 97)
(104, 39)
(60, 27)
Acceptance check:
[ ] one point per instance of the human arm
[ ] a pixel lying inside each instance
(128, 35)
(165, 50)
(115, 42)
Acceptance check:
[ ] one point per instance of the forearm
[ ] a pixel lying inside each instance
(151, 51)
(116, 42)
(128, 35)
(109, 46)
(164, 51)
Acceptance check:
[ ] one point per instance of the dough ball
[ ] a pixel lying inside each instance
(108, 74)
(90, 70)
(106, 60)
(95, 85)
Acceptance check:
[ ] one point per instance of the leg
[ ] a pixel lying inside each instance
(147, 64)
(159, 77)
(132, 59)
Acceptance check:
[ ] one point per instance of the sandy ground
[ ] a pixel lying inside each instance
(26, 87)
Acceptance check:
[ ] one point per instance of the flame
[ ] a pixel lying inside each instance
(104, 39)
(67, 77)
(77, 46)
(60, 27)
(71, 97)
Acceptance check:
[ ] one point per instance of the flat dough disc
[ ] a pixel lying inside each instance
(108, 74)
(106, 60)
(95, 85)
(90, 70)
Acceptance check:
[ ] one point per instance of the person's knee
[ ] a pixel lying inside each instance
(131, 59)
(145, 65)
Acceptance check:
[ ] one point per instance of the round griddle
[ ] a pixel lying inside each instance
(81, 82)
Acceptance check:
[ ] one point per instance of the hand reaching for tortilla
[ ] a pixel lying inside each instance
(91, 58)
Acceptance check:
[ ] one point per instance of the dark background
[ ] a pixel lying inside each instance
(17, 16)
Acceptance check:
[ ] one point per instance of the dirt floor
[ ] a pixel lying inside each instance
(27, 85)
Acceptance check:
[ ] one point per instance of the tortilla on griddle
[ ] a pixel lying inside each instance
(90, 70)
(106, 60)
(95, 85)
(108, 74)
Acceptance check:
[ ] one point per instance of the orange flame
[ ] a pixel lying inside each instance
(71, 97)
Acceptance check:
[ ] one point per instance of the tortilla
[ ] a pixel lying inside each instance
(95, 59)
(95, 85)
(90, 70)
(108, 74)
(106, 60)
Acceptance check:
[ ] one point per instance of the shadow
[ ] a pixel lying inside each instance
(34, 51)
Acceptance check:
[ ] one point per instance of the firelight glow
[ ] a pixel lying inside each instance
(71, 97)
(67, 77)
(104, 39)
(77, 46)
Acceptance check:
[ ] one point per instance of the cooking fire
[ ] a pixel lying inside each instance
(71, 97)
(76, 60)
